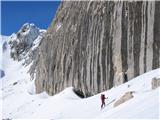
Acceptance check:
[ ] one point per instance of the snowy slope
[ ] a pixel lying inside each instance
(3, 39)
(18, 99)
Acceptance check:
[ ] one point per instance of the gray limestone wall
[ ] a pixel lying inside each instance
(90, 45)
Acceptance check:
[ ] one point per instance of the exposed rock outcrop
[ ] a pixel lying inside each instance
(91, 44)
(25, 42)
(24, 45)
(127, 96)
(22, 40)
(2, 73)
(155, 83)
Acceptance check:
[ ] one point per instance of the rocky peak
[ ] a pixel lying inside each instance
(24, 43)
(28, 33)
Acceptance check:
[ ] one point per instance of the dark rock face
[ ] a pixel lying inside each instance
(92, 45)
(2, 73)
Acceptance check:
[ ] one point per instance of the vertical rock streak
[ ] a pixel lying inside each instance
(90, 45)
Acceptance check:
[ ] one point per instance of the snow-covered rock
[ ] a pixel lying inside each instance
(27, 34)
(24, 43)
(21, 46)
(3, 49)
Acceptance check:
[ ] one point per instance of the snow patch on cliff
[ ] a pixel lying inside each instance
(59, 25)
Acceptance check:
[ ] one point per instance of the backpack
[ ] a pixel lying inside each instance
(102, 96)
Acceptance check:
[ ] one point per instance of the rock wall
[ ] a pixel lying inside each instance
(90, 45)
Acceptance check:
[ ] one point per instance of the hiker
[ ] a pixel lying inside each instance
(103, 100)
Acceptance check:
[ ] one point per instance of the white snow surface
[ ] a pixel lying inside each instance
(3, 39)
(18, 99)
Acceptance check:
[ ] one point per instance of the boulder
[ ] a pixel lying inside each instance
(155, 83)
(127, 96)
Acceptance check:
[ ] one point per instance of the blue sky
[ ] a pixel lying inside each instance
(14, 14)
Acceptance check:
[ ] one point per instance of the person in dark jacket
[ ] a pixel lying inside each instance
(103, 100)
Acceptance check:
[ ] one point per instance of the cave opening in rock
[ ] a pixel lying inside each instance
(79, 93)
